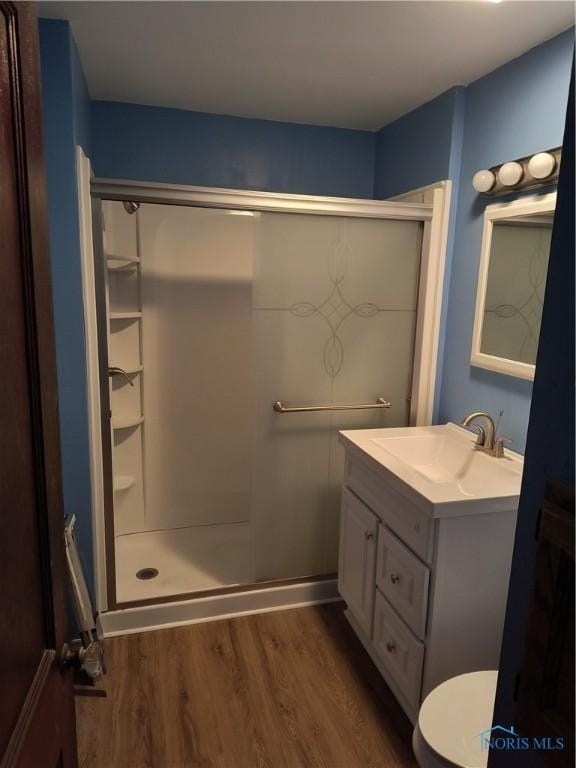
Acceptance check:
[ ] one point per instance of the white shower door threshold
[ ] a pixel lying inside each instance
(231, 604)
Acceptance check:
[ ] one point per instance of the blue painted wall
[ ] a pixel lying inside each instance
(66, 108)
(183, 147)
(516, 110)
(81, 103)
(418, 149)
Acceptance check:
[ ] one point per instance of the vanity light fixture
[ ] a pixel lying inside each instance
(542, 165)
(529, 172)
(510, 174)
(483, 181)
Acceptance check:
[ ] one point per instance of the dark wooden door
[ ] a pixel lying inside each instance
(37, 727)
(546, 681)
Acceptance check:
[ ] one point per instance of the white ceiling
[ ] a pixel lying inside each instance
(349, 64)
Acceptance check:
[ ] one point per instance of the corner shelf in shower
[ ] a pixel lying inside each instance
(125, 315)
(123, 482)
(133, 421)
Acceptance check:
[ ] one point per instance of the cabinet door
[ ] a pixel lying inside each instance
(357, 564)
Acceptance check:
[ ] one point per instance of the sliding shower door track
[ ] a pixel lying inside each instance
(235, 589)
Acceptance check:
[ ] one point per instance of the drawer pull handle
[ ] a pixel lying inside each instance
(368, 535)
(390, 647)
(394, 578)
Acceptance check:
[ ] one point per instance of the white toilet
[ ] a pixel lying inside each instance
(451, 719)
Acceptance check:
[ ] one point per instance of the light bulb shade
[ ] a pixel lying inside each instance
(483, 181)
(542, 165)
(510, 174)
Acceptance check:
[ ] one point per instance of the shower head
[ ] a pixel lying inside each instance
(130, 206)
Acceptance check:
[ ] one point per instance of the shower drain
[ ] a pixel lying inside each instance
(147, 573)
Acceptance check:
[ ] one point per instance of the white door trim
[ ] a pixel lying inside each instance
(430, 296)
(83, 176)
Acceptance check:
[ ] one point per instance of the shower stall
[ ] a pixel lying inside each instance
(237, 334)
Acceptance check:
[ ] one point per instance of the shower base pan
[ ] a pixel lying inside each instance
(186, 559)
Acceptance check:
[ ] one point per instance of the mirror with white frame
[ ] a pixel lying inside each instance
(511, 284)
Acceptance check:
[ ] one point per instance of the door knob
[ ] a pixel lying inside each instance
(390, 647)
(368, 535)
(394, 578)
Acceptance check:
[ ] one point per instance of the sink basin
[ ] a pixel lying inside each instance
(446, 458)
(441, 466)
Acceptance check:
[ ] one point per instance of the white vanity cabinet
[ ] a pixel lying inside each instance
(357, 559)
(425, 583)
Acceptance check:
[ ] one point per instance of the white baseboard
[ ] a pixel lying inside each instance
(164, 615)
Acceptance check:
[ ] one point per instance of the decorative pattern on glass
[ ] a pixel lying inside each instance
(336, 308)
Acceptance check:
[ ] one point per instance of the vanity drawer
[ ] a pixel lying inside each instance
(403, 580)
(401, 653)
(411, 524)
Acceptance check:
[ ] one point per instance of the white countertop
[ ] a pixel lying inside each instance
(439, 469)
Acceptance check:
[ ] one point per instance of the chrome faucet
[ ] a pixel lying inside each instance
(486, 440)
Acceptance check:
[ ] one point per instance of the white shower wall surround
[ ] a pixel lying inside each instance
(197, 273)
(215, 314)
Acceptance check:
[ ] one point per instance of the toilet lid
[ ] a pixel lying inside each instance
(455, 713)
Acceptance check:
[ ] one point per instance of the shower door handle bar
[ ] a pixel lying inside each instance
(279, 407)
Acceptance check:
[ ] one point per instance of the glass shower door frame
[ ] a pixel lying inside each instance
(433, 215)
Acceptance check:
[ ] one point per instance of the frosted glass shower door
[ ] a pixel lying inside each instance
(241, 309)
(334, 322)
